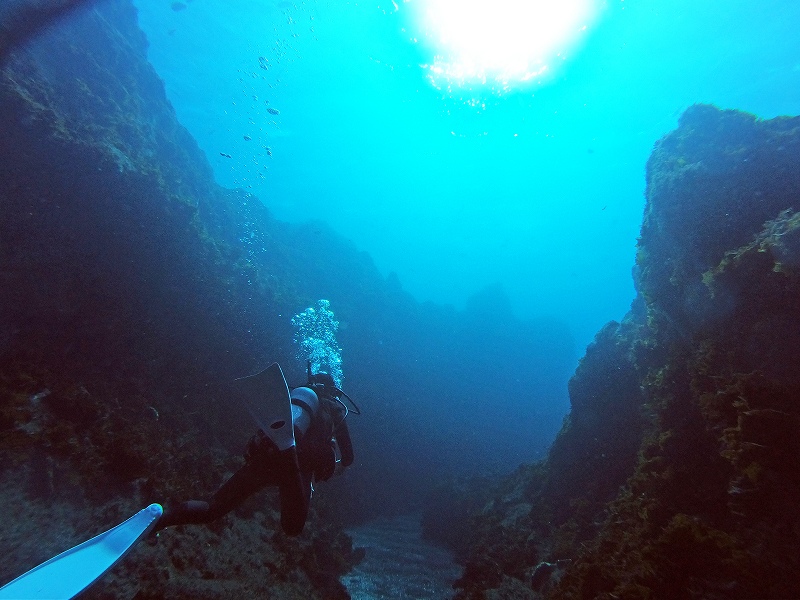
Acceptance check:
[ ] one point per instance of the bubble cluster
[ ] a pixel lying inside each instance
(316, 338)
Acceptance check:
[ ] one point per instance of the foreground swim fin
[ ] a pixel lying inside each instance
(266, 396)
(66, 575)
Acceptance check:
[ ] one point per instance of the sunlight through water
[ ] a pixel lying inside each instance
(500, 44)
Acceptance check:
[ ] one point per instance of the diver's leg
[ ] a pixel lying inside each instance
(295, 495)
(248, 480)
(185, 513)
(251, 478)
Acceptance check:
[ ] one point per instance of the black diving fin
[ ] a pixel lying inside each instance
(68, 574)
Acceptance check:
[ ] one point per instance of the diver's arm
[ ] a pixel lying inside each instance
(342, 435)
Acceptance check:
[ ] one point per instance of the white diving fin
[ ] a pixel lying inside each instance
(68, 574)
(267, 398)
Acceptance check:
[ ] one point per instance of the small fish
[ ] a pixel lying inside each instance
(247, 138)
(225, 155)
(263, 62)
(273, 111)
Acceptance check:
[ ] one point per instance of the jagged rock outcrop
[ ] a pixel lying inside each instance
(675, 475)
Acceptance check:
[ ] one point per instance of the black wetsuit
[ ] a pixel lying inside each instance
(292, 471)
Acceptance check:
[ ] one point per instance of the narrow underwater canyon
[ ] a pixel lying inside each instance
(132, 285)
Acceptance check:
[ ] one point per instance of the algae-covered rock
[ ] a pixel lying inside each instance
(125, 308)
(675, 475)
(711, 185)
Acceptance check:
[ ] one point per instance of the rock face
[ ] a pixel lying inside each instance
(676, 474)
(121, 283)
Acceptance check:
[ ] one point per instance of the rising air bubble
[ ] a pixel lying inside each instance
(316, 339)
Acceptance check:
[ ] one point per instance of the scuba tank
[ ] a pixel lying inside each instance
(305, 405)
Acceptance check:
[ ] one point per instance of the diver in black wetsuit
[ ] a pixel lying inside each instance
(318, 435)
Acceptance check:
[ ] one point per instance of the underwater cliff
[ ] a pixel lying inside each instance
(133, 289)
(676, 472)
(124, 298)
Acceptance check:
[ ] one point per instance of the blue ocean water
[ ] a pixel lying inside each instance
(539, 188)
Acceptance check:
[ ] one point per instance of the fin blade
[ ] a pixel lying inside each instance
(72, 571)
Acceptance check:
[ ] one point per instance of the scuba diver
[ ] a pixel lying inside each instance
(322, 447)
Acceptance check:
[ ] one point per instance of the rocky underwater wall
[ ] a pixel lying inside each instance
(677, 473)
(133, 288)
(124, 299)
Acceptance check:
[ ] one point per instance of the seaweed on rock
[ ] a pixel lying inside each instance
(675, 475)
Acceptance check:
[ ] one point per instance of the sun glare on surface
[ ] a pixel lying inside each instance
(500, 42)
